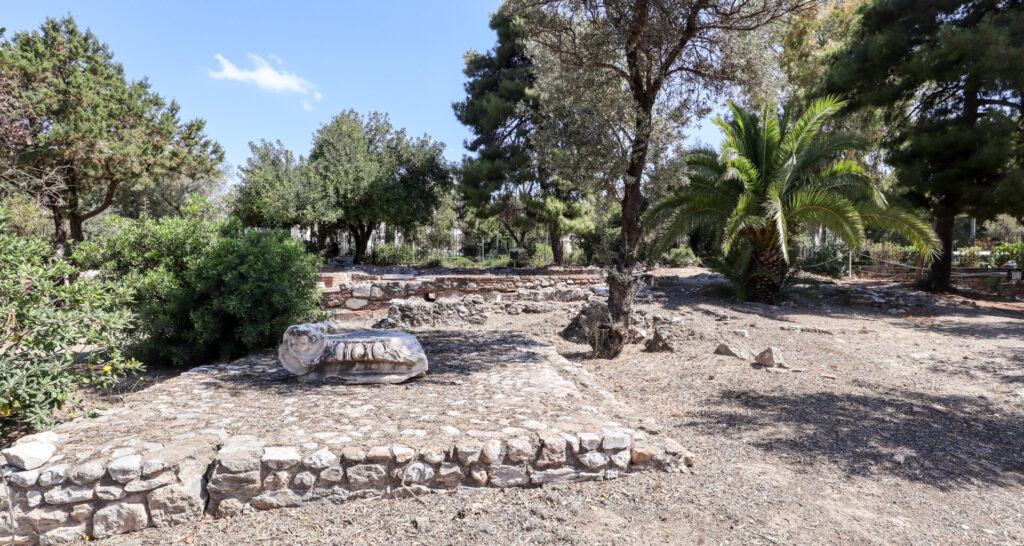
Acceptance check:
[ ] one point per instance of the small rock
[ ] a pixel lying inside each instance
(725, 349)
(67, 494)
(403, 454)
(379, 453)
(109, 492)
(479, 476)
(615, 440)
(366, 474)
(25, 479)
(352, 454)
(520, 450)
(304, 480)
(593, 459)
(770, 358)
(899, 458)
(416, 472)
(491, 452)
(420, 523)
(86, 473)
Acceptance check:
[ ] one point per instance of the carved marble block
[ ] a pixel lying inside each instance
(315, 352)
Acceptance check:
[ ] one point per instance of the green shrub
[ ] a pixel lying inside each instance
(245, 293)
(829, 259)
(203, 289)
(889, 253)
(392, 254)
(542, 255)
(1006, 252)
(680, 257)
(970, 257)
(57, 336)
(459, 261)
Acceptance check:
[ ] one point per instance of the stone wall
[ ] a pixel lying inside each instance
(346, 292)
(57, 502)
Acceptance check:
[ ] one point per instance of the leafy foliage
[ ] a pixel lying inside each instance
(392, 254)
(1006, 252)
(828, 259)
(204, 289)
(681, 256)
(773, 179)
(55, 335)
(511, 178)
(101, 131)
(946, 75)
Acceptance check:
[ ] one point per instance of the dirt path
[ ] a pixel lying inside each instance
(896, 430)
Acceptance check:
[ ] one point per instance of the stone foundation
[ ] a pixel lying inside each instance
(351, 292)
(494, 410)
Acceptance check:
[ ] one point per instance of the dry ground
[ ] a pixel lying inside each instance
(896, 430)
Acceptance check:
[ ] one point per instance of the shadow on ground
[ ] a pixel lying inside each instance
(946, 441)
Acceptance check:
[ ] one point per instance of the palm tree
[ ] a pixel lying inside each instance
(772, 179)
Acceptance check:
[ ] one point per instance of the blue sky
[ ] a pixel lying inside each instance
(266, 70)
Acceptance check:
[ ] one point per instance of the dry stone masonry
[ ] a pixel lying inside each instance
(353, 292)
(493, 411)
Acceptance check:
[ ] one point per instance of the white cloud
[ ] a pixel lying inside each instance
(318, 95)
(307, 106)
(264, 76)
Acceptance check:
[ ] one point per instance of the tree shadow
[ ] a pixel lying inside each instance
(451, 356)
(944, 441)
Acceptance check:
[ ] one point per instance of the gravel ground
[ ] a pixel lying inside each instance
(888, 430)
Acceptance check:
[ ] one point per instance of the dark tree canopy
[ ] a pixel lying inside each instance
(508, 178)
(100, 130)
(948, 75)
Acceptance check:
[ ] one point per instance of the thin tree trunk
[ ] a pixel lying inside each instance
(621, 282)
(942, 266)
(557, 250)
(60, 233)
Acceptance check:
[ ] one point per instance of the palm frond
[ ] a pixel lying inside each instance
(904, 222)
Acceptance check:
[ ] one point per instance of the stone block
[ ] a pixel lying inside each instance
(366, 475)
(245, 483)
(119, 518)
(505, 476)
(29, 455)
(353, 356)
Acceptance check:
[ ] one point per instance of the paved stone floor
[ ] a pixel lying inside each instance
(494, 409)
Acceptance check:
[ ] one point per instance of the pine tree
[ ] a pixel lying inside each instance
(102, 131)
(948, 74)
(508, 179)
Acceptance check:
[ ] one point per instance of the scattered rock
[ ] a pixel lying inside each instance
(770, 358)
(727, 350)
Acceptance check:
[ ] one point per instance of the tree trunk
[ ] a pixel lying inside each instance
(766, 274)
(76, 228)
(557, 250)
(60, 233)
(621, 283)
(361, 235)
(942, 266)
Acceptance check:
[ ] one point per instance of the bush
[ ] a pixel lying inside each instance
(246, 292)
(889, 253)
(680, 257)
(203, 289)
(392, 254)
(829, 259)
(57, 336)
(970, 257)
(1008, 251)
(541, 256)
